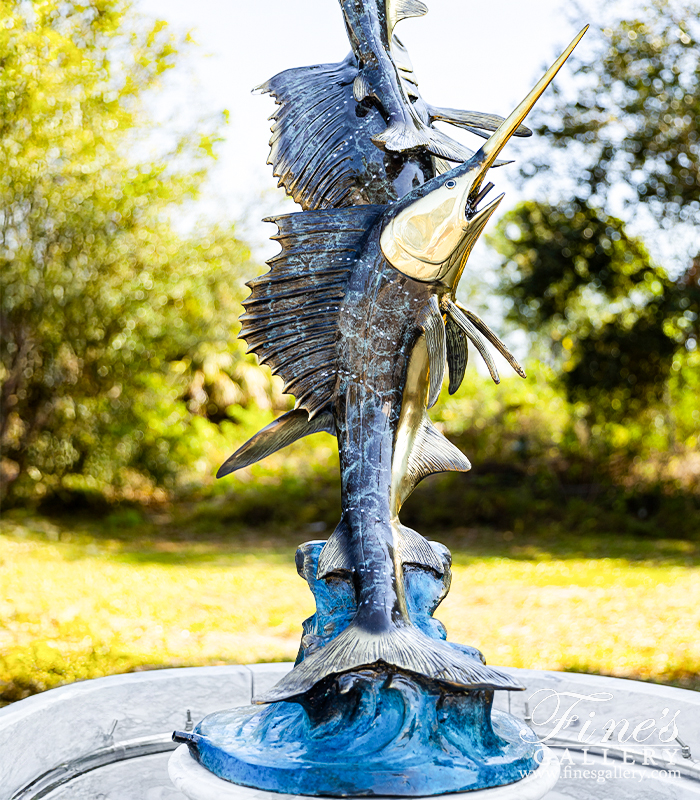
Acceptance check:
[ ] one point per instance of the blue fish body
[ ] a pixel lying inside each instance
(378, 331)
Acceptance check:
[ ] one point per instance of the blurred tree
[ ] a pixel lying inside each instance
(634, 116)
(616, 319)
(117, 333)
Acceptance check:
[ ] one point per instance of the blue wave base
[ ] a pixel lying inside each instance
(368, 733)
(374, 731)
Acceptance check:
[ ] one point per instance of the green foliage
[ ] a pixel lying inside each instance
(560, 254)
(614, 319)
(635, 110)
(117, 332)
(617, 326)
(538, 458)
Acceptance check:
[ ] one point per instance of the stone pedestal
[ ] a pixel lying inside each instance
(111, 737)
(197, 783)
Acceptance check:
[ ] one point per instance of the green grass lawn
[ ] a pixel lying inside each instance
(81, 599)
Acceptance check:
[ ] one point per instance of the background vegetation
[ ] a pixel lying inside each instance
(119, 351)
(123, 386)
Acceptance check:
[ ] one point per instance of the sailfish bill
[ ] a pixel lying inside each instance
(492, 147)
(431, 234)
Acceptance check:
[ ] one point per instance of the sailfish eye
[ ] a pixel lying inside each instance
(450, 184)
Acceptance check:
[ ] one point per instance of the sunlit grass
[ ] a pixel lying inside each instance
(87, 599)
(611, 616)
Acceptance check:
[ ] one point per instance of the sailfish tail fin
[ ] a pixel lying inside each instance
(404, 647)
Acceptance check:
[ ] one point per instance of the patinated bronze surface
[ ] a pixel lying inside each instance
(358, 315)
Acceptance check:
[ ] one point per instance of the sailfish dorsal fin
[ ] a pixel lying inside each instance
(291, 315)
(315, 107)
(396, 10)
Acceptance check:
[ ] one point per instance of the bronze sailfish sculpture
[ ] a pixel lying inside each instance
(358, 132)
(358, 315)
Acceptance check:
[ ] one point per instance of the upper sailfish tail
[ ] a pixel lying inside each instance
(403, 647)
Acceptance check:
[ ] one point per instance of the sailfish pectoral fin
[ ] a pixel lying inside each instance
(361, 88)
(442, 165)
(288, 428)
(472, 327)
(463, 322)
(403, 647)
(481, 326)
(457, 353)
(473, 121)
(412, 134)
(434, 331)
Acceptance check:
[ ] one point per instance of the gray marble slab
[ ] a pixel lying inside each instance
(42, 732)
(265, 676)
(61, 725)
(139, 779)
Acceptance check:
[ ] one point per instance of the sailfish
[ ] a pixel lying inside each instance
(359, 132)
(358, 315)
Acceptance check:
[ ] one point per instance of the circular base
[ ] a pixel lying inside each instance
(197, 783)
(365, 734)
(44, 740)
